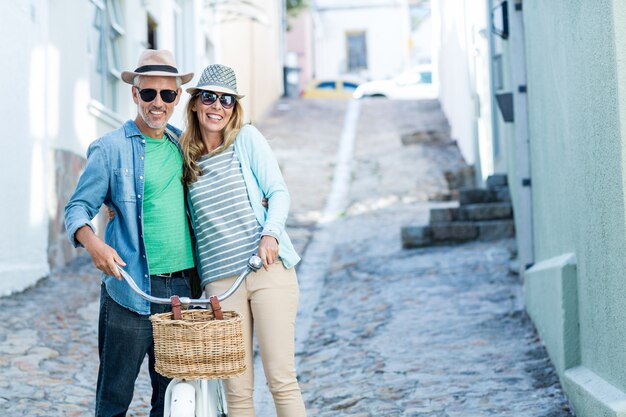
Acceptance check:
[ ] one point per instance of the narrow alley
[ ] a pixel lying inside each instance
(438, 331)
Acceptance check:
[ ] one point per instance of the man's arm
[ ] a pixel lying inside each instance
(103, 256)
(83, 206)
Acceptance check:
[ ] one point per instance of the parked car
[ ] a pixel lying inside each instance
(329, 89)
(410, 85)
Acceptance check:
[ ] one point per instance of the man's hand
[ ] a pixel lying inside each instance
(268, 251)
(103, 256)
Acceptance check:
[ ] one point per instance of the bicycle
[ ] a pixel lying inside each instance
(194, 397)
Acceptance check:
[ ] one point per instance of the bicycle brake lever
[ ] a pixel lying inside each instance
(255, 263)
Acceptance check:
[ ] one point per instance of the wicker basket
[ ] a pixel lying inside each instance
(198, 346)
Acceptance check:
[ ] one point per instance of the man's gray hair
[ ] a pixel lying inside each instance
(179, 81)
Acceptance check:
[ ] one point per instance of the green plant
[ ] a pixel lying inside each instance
(295, 6)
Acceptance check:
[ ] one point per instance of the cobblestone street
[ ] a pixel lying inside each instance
(427, 332)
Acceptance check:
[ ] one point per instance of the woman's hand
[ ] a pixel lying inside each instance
(268, 251)
(110, 212)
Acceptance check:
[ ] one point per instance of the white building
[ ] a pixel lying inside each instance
(462, 61)
(363, 39)
(62, 90)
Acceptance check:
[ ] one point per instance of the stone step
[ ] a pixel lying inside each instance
(438, 215)
(439, 234)
(416, 237)
(455, 232)
(428, 136)
(495, 229)
(482, 195)
(449, 233)
(464, 177)
(483, 211)
(487, 211)
(497, 180)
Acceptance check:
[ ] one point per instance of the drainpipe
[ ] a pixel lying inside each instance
(495, 127)
(522, 176)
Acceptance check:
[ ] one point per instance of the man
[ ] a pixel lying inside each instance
(136, 171)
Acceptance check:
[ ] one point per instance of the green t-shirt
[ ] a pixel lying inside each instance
(166, 231)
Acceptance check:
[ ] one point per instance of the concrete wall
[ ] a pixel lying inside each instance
(510, 151)
(501, 150)
(576, 68)
(23, 151)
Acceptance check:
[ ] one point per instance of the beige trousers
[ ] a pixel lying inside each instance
(267, 302)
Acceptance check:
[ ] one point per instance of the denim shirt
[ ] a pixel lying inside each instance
(263, 178)
(114, 175)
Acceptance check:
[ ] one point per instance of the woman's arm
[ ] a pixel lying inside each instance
(265, 167)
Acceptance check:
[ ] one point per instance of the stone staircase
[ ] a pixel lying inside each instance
(483, 214)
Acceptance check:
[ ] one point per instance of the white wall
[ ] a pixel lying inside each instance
(463, 64)
(422, 43)
(71, 106)
(387, 28)
(23, 149)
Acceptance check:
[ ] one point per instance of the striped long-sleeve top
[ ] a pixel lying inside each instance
(227, 231)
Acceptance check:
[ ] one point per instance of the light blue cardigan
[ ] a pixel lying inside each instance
(263, 178)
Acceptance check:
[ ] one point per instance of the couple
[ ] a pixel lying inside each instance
(151, 176)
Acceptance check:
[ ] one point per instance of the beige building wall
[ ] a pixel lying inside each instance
(299, 41)
(250, 43)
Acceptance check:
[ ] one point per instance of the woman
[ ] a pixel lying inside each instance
(229, 168)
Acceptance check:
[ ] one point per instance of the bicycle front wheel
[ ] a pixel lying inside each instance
(215, 398)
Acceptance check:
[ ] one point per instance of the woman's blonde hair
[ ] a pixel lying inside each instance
(191, 139)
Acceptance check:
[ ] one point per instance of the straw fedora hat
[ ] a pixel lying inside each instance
(218, 78)
(157, 63)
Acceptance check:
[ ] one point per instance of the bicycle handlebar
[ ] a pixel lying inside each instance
(254, 264)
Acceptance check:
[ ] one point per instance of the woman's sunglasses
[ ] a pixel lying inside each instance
(209, 97)
(149, 94)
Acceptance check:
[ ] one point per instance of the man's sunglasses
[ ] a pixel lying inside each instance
(149, 94)
(209, 97)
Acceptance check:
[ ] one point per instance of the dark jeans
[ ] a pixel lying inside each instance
(124, 339)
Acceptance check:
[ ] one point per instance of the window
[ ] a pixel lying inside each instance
(357, 51)
(179, 39)
(426, 77)
(104, 51)
(327, 85)
(152, 33)
(498, 77)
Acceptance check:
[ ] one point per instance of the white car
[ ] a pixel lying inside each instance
(416, 84)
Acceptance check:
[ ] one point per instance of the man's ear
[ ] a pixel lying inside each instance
(134, 93)
(179, 91)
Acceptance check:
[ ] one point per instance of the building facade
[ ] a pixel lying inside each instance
(64, 90)
(558, 123)
(462, 62)
(575, 292)
(360, 39)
